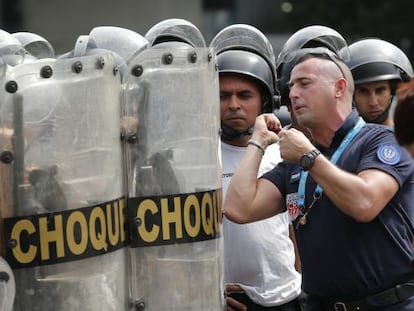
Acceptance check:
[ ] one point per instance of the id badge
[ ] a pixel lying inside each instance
(292, 204)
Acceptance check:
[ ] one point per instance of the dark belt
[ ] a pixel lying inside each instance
(292, 305)
(386, 298)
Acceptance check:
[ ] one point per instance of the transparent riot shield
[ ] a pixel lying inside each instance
(62, 184)
(172, 121)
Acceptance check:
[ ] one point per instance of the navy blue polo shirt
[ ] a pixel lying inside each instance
(342, 258)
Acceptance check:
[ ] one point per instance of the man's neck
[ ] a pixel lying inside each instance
(239, 142)
(324, 134)
(388, 122)
(323, 137)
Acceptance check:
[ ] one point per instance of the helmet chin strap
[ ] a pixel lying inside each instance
(384, 115)
(229, 133)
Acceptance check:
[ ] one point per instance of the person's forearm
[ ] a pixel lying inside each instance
(352, 194)
(298, 264)
(242, 188)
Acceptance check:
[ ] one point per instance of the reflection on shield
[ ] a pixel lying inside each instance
(62, 190)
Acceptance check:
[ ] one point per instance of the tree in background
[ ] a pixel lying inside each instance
(388, 20)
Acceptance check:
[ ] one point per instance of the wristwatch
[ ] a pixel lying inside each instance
(307, 160)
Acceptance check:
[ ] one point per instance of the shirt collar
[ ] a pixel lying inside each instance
(348, 124)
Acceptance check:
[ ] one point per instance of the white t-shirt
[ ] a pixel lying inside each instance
(259, 256)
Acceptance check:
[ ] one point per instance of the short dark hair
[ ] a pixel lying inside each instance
(322, 53)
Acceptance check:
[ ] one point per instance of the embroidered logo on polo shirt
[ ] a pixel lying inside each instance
(389, 154)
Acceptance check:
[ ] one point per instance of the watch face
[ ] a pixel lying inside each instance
(305, 161)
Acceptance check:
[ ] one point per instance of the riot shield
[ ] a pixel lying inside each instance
(172, 123)
(7, 282)
(62, 184)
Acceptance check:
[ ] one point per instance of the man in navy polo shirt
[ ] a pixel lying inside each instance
(349, 191)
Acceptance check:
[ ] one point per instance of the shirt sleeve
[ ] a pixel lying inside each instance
(380, 150)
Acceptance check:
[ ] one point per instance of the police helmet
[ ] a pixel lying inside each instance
(243, 49)
(175, 29)
(11, 50)
(373, 60)
(35, 45)
(313, 36)
(124, 42)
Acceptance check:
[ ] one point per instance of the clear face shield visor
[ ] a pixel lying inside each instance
(175, 29)
(244, 37)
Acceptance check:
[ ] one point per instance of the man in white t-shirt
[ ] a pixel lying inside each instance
(259, 258)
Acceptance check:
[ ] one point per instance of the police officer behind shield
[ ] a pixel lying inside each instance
(377, 67)
(349, 191)
(259, 258)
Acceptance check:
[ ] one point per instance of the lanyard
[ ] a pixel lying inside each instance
(338, 152)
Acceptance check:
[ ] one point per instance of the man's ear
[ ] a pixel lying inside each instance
(341, 87)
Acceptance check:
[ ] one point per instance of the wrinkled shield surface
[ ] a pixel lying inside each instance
(174, 181)
(61, 174)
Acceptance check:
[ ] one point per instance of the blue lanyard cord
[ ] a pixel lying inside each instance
(334, 159)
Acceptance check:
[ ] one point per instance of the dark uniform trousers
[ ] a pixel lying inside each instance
(393, 296)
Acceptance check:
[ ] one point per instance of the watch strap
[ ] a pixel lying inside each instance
(312, 156)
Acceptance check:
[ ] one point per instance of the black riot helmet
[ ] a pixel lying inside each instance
(243, 49)
(248, 64)
(175, 29)
(373, 60)
(313, 36)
